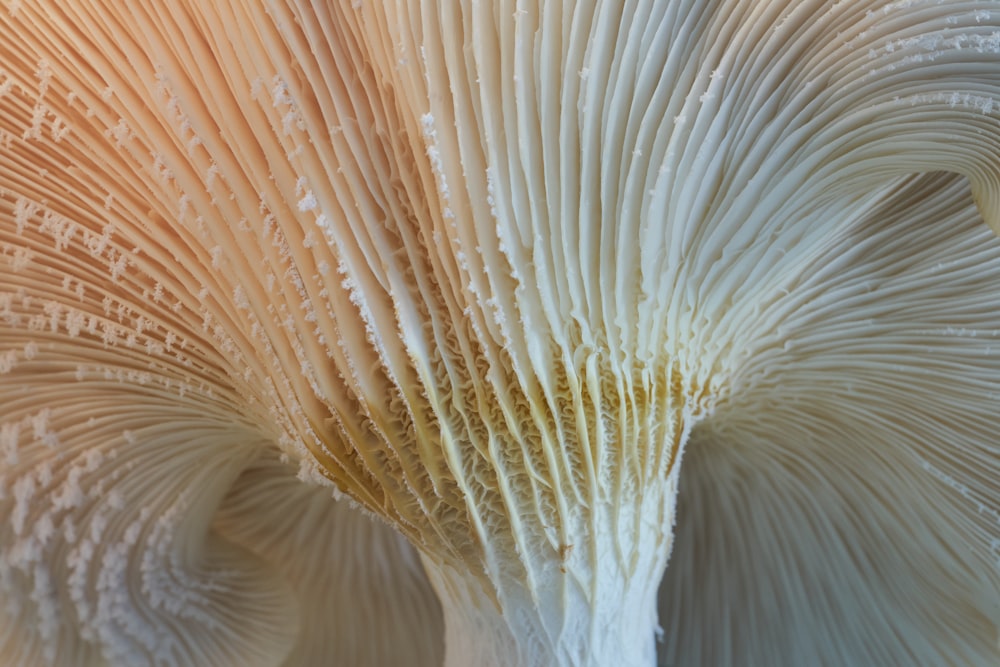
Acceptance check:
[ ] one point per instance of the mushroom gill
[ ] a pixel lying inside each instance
(487, 270)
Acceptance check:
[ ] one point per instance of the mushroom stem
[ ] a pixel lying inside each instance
(592, 603)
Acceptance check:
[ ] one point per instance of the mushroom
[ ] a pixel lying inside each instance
(485, 271)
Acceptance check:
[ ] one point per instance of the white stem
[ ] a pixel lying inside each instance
(595, 609)
(475, 632)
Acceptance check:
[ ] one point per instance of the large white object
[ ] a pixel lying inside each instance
(487, 270)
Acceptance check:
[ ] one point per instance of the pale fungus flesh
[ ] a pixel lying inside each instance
(486, 272)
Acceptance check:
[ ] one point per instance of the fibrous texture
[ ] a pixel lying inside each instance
(489, 269)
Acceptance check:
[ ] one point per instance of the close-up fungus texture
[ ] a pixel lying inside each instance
(477, 333)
